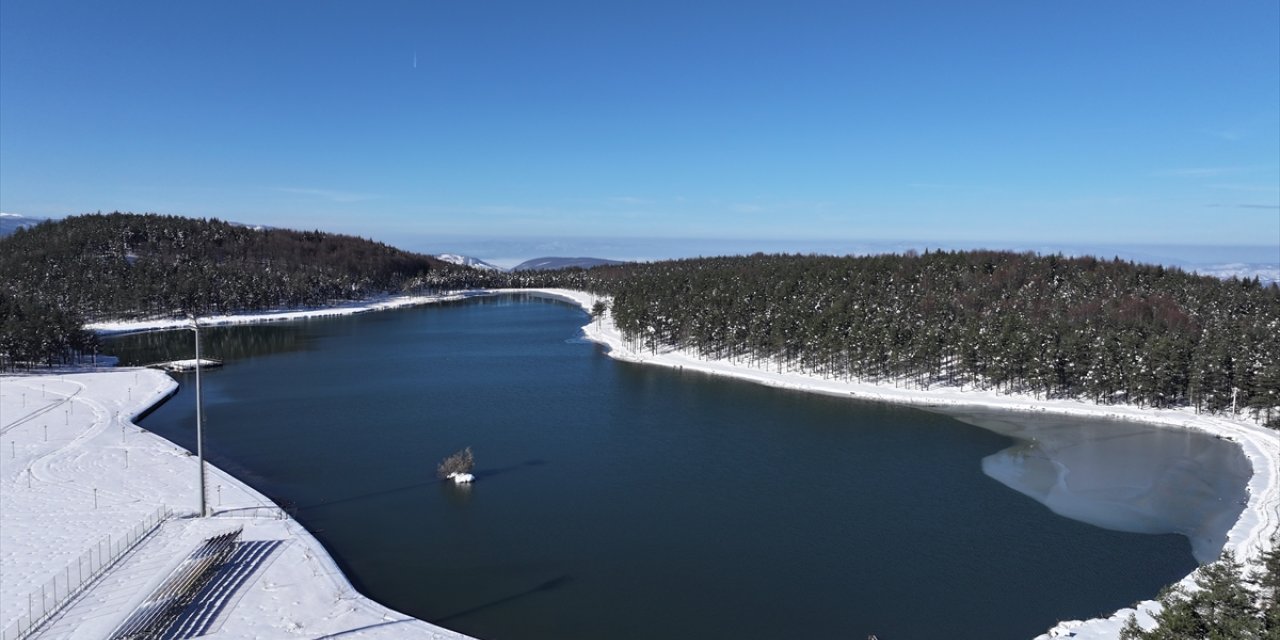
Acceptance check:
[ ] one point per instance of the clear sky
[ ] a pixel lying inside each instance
(957, 122)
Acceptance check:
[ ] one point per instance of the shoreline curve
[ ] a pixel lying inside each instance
(1253, 532)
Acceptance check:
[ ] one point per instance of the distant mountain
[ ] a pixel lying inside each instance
(550, 264)
(1265, 273)
(10, 222)
(468, 261)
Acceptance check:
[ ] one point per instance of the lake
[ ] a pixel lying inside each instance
(616, 500)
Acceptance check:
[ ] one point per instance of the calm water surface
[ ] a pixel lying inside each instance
(621, 501)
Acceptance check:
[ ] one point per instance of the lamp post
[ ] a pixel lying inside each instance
(195, 324)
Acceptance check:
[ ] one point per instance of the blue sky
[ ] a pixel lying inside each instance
(423, 122)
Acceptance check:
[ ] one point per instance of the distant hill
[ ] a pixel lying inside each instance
(1265, 273)
(123, 264)
(10, 222)
(468, 261)
(550, 264)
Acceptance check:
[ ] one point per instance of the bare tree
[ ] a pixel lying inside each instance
(460, 462)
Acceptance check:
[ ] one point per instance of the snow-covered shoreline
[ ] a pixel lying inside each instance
(1251, 534)
(283, 315)
(81, 472)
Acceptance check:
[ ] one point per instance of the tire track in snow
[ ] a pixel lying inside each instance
(45, 409)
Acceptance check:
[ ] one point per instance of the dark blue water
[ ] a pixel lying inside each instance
(622, 501)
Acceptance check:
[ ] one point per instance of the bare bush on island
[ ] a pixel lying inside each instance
(457, 467)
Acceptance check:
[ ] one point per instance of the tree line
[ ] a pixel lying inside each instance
(1225, 603)
(59, 274)
(131, 265)
(34, 332)
(1110, 331)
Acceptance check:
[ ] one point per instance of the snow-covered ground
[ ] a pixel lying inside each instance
(316, 599)
(75, 470)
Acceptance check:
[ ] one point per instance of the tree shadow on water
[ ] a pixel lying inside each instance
(481, 474)
(549, 585)
(368, 627)
(366, 496)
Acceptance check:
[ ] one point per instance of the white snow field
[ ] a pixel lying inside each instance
(77, 477)
(300, 592)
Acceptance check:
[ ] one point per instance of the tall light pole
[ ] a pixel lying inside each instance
(195, 323)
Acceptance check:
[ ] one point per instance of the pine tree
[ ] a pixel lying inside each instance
(1221, 608)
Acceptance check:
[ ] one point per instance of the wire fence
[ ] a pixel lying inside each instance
(257, 512)
(58, 591)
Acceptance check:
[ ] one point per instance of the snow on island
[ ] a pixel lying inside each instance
(187, 365)
(327, 601)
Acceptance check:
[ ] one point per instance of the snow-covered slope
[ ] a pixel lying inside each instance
(468, 261)
(561, 263)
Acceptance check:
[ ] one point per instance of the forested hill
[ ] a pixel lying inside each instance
(127, 265)
(1104, 330)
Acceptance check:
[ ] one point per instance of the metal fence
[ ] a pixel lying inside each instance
(257, 512)
(57, 592)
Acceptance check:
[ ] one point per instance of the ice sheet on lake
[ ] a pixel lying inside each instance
(1122, 475)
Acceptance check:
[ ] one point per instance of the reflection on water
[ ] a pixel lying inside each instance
(221, 343)
(1121, 475)
(241, 342)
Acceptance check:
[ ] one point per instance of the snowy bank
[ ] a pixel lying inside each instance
(80, 475)
(281, 315)
(1251, 534)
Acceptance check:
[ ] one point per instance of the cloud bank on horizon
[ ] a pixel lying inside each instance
(1079, 123)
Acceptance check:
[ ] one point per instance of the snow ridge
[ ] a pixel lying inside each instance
(468, 261)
